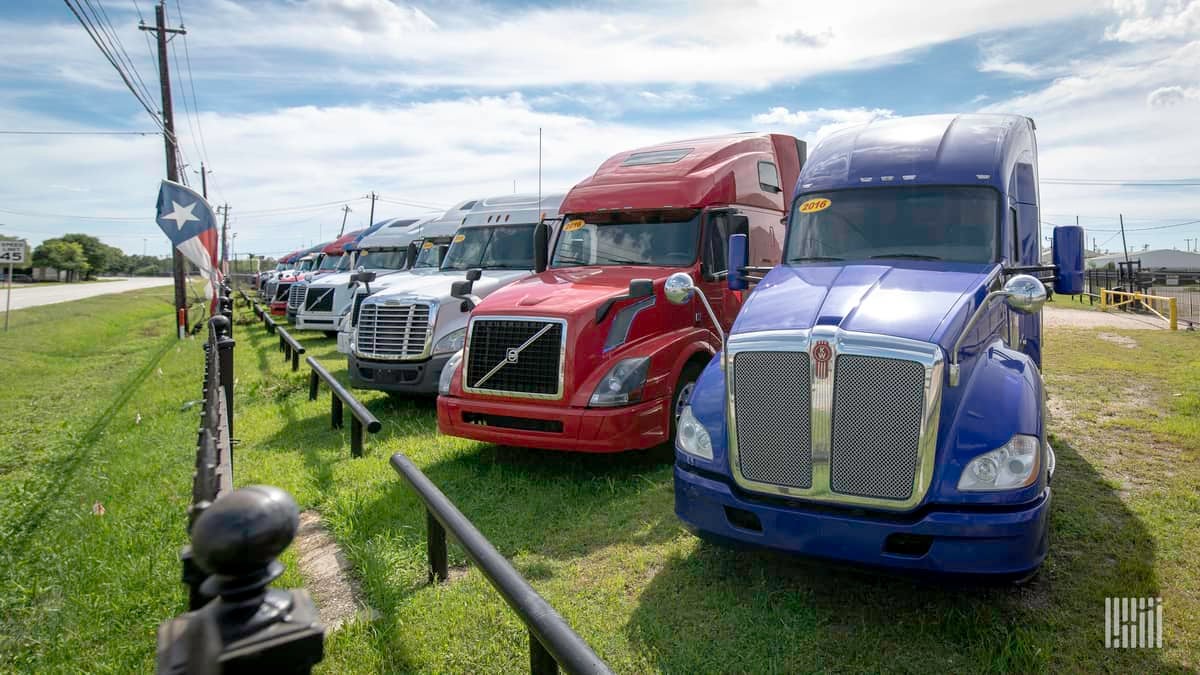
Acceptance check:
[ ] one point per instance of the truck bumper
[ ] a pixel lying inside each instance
(529, 425)
(987, 543)
(317, 321)
(343, 342)
(404, 377)
(278, 308)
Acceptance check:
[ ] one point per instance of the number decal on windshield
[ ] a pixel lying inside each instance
(814, 205)
(459, 237)
(427, 245)
(573, 225)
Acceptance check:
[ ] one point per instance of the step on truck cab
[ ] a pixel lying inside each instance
(328, 298)
(404, 334)
(879, 399)
(332, 259)
(587, 355)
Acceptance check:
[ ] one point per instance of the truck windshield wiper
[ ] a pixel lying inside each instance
(622, 261)
(908, 256)
(814, 258)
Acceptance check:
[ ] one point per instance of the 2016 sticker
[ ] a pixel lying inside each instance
(573, 225)
(428, 244)
(814, 205)
(459, 237)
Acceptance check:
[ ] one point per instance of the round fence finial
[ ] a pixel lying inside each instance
(238, 538)
(220, 324)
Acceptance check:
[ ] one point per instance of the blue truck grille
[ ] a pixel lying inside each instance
(877, 409)
(774, 411)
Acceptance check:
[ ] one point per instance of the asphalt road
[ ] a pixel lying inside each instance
(34, 295)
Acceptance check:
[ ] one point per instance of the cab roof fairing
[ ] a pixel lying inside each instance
(716, 170)
(968, 149)
(338, 246)
(513, 209)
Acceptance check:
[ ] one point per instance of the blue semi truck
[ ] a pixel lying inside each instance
(879, 399)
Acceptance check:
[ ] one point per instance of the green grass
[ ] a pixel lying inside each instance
(596, 535)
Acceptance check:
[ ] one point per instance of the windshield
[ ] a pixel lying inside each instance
(652, 238)
(508, 247)
(383, 259)
(431, 254)
(925, 223)
(343, 261)
(304, 266)
(329, 262)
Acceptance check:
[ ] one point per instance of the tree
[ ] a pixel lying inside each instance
(61, 255)
(100, 256)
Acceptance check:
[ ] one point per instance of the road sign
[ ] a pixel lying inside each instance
(12, 252)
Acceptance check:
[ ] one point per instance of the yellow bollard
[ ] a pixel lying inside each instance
(1173, 315)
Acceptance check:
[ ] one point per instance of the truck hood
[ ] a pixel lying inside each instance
(570, 291)
(436, 285)
(918, 300)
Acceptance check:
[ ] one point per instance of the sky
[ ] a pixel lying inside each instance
(299, 107)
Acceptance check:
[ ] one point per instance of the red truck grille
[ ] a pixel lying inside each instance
(515, 357)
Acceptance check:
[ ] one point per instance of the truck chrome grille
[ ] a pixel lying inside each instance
(393, 332)
(774, 409)
(877, 410)
(515, 357)
(282, 289)
(318, 300)
(296, 296)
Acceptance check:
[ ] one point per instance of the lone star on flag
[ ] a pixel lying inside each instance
(181, 215)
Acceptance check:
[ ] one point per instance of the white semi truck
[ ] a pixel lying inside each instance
(401, 337)
(385, 251)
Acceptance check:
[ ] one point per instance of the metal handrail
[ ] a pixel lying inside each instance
(552, 642)
(360, 416)
(290, 347)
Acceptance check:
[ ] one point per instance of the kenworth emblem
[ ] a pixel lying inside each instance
(821, 353)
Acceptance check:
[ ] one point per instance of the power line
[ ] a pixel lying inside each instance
(78, 133)
(406, 202)
(301, 207)
(115, 40)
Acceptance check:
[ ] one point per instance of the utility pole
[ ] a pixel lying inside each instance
(203, 180)
(346, 212)
(371, 220)
(224, 211)
(1188, 245)
(1123, 244)
(164, 78)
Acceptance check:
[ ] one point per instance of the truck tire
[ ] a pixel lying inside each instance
(683, 391)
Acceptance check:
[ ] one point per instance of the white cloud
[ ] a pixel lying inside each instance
(815, 124)
(1173, 95)
(1169, 19)
(997, 64)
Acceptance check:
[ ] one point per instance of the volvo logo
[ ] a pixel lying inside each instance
(512, 354)
(821, 354)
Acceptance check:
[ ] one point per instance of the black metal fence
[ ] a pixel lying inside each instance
(360, 417)
(1183, 285)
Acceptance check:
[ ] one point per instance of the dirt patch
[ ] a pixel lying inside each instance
(1060, 317)
(326, 574)
(1123, 340)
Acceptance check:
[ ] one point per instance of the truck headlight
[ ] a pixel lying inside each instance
(451, 342)
(692, 437)
(448, 371)
(1012, 465)
(623, 383)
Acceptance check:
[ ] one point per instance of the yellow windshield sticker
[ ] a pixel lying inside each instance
(428, 244)
(573, 225)
(814, 205)
(459, 237)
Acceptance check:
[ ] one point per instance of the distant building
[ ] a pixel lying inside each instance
(1157, 259)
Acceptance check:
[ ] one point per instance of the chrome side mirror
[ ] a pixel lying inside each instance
(679, 288)
(1025, 294)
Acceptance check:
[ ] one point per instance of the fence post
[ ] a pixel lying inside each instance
(249, 626)
(295, 359)
(225, 343)
(435, 544)
(1173, 314)
(541, 662)
(335, 411)
(356, 430)
(313, 382)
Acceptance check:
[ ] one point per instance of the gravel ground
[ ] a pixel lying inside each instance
(1058, 317)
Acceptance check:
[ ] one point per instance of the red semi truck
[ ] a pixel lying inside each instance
(587, 355)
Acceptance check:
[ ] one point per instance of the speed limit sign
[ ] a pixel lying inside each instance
(12, 252)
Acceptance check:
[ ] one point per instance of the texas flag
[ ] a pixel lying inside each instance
(191, 226)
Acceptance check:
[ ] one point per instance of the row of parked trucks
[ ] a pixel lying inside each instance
(844, 346)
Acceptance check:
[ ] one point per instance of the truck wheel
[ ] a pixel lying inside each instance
(683, 392)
